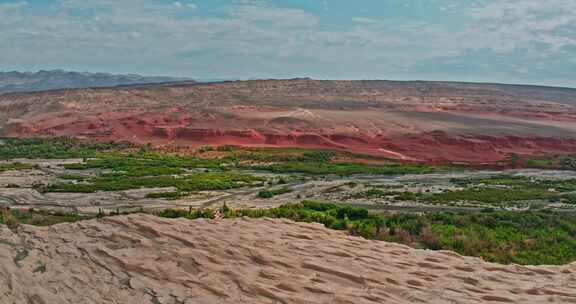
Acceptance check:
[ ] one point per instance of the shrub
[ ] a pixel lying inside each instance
(167, 195)
(269, 193)
(265, 194)
(10, 220)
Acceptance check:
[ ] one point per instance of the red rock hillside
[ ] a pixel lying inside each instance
(430, 121)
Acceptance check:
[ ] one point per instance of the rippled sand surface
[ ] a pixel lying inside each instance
(145, 259)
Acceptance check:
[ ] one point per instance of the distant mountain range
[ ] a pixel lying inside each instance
(58, 79)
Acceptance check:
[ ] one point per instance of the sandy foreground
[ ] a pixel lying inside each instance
(145, 259)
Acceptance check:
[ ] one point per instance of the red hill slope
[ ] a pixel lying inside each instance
(406, 120)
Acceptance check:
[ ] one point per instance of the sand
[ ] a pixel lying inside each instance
(145, 259)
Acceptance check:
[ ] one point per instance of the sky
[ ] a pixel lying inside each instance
(511, 41)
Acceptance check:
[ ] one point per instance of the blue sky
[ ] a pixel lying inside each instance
(514, 41)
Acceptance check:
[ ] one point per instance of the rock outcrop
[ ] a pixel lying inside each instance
(145, 259)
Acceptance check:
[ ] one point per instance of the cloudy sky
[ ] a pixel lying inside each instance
(514, 41)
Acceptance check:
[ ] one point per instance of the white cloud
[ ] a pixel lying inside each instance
(279, 16)
(190, 5)
(365, 20)
(12, 5)
(255, 37)
(511, 24)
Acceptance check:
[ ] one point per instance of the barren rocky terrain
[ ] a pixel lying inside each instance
(430, 121)
(145, 259)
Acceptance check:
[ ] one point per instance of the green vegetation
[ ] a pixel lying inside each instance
(146, 164)
(564, 162)
(501, 191)
(189, 214)
(512, 182)
(16, 166)
(508, 189)
(542, 163)
(319, 156)
(143, 169)
(569, 199)
(13, 218)
(505, 237)
(394, 195)
(568, 162)
(129, 161)
(270, 193)
(184, 183)
(301, 155)
(121, 167)
(490, 196)
(319, 162)
(319, 168)
(58, 148)
(168, 195)
(226, 148)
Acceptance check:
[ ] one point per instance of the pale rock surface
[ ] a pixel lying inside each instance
(146, 259)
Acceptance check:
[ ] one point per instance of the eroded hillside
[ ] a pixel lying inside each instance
(404, 120)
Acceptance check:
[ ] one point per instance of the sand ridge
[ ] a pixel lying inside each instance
(146, 259)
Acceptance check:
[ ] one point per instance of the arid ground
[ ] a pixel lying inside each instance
(145, 259)
(277, 150)
(418, 121)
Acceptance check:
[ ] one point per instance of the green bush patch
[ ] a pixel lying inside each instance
(269, 193)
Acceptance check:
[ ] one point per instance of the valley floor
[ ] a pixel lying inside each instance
(375, 192)
(512, 216)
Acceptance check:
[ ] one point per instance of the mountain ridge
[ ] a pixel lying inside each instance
(43, 80)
